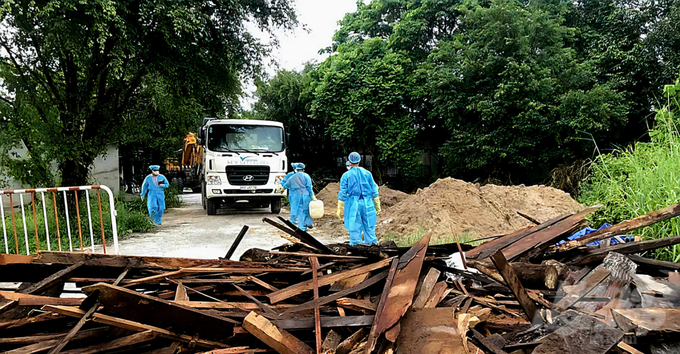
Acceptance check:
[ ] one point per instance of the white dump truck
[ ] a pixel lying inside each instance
(243, 163)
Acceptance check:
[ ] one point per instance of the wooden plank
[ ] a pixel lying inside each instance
(36, 300)
(492, 344)
(648, 321)
(488, 248)
(95, 332)
(236, 242)
(275, 337)
(626, 226)
(326, 322)
(598, 254)
(349, 282)
(141, 262)
(578, 336)
(259, 303)
(547, 236)
(425, 290)
(436, 295)
(15, 258)
(132, 326)
(326, 299)
(248, 306)
(653, 263)
(314, 262)
(357, 305)
(305, 237)
(373, 334)
(430, 331)
(318, 255)
(582, 288)
(262, 283)
(125, 303)
(515, 285)
(400, 294)
(304, 286)
(127, 341)
(348, 344)
(52, 280)
(628, 348)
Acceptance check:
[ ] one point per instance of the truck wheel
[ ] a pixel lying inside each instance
(203, 196)
(211, 207)
(276, 205)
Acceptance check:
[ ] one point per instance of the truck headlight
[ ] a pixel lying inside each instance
(214, 180)
(278, 179)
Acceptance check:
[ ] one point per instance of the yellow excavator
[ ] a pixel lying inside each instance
(184, 171)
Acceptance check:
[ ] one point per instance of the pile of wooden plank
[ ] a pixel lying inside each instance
(517, 293)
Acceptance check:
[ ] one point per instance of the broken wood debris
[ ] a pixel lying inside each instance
(516, 292)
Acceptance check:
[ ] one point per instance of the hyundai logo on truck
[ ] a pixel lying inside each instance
(248, 178)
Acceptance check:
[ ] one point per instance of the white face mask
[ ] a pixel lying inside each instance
(155, 173)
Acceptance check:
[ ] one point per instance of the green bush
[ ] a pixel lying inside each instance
(641, 178)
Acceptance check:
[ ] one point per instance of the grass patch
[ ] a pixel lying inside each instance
(641, 178)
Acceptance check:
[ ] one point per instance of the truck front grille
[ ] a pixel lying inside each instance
(248, 175)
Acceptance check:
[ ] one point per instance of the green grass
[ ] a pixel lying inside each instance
(641, 178)
(132, 216)
(408, 240)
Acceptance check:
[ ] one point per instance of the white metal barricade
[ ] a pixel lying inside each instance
(53, 192)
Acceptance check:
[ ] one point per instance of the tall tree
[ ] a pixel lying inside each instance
(75, 73)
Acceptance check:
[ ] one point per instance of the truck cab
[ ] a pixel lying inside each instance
(243, 163)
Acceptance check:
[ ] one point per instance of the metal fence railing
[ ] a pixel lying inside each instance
(53, 229)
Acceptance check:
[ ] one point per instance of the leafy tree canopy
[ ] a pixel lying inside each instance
(78, 75)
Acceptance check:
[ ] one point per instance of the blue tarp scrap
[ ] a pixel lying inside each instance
(586, 230)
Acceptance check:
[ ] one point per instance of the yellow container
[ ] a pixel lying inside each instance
(316, 209)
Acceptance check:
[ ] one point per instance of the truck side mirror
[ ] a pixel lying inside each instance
(287, 139)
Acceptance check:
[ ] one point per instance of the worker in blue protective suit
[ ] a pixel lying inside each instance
(154, 184)
(291, 199)
(300, 192)
(359, 201)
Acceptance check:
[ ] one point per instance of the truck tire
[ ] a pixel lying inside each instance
(276, 205)
(211, 207)
(203, 196)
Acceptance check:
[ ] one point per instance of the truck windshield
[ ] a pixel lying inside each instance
(238, 138)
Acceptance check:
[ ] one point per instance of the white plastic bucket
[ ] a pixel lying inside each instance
(316, 209)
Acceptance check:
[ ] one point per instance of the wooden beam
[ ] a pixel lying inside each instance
(275, 337)
(127, 341)
(132, 326)
(648, 321)
(626, 226)
(236, 242)
(438, 293)
(547, 236)
(326, 322)
(41, 338)
(318, 255)
(125, 303)
(582, 288)
(348, 344)
(373, 334)
(400, 295)
(304, 286)
(314, 262)
(598, 254)
(515, 285)
(326, 299)
(425, 289)
(36, 300)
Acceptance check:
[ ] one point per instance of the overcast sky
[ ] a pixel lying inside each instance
(320, 18)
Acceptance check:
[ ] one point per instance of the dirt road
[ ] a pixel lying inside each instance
(189, 232)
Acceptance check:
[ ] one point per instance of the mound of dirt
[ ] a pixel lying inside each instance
(451, 205)
(333, 226)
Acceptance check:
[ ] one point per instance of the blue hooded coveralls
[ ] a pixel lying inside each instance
(155, 201)
(357, 190)
(291, 198)
(299, 195)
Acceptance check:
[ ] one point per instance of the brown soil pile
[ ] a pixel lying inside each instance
(451, 205)
(330, 224)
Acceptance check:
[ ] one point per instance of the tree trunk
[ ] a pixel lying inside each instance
(75, 173)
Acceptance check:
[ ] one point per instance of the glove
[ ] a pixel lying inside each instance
(314, 198)
(376, 201)
(279, 189)
(142, 197)
(341, 209)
